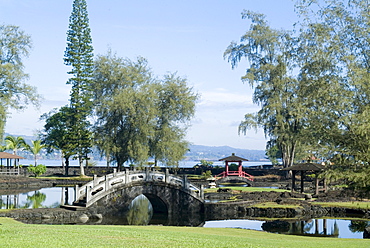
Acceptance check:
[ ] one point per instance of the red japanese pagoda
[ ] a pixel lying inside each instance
(239, 173)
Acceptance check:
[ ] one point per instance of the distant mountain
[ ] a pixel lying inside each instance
(214, 153)
(195, 153)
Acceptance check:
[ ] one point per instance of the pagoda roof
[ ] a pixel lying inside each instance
(9, 156)
(305, 167)
(233, 158)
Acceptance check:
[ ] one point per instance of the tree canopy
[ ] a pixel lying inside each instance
(79, 55)
(344, 30)
(138, 115)
(15, 45)
(312, 84)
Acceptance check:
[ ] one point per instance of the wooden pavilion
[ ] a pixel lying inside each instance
(235, 159)
(8, 157)
(304, 167)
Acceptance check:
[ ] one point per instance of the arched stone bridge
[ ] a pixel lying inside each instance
(169, 195)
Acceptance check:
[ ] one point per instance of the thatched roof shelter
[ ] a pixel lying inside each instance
(8, 157)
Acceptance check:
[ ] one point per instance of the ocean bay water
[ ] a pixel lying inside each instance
(102, 163)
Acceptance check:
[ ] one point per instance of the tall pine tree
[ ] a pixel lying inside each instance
(79, 55)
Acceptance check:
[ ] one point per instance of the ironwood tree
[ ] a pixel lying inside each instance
(270, 73)
(296, 84)
(175, 105)
(343, 26)
(138, 115)
(15, 45)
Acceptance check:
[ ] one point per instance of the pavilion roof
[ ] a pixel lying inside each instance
(9, 155)
(233, 158)
(305, 167)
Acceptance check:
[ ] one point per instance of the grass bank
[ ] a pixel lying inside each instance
(70, 178)
(365, 205)
(247, 189)
(15, 234)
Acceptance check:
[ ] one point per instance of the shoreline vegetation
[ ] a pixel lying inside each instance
(16, 234)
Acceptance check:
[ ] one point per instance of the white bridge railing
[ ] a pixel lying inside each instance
(98, 187)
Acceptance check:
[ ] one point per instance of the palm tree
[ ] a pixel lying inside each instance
(36, 199)
(35, 148)
(2, 148)
(14, 143)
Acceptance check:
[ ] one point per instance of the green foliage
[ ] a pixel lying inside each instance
(206, 163)
(140, 211)
(36, 199)
(15, 143)
(14, 93)
(273, 152)
(55, 134)
(338, 32)
(35, 149)
(140, 116)
(299, 83)
(79, 55)
(233, 167)
(269, 54)
(358, 225)
(207, 174)
(37, 170)
(69, 129)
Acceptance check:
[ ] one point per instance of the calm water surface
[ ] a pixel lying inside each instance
(141, 213)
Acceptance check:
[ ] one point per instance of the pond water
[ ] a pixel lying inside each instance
(141, 213)
(43, 198)
(337, 228)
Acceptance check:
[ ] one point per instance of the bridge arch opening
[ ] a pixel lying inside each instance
(147, 209)
(140, 211)
(160, 209)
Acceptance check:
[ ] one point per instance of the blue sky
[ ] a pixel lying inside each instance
(188, 37)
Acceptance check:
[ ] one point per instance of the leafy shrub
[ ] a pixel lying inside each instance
(207, 174)
(37, 170)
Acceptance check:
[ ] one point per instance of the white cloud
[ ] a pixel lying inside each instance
(226, 99)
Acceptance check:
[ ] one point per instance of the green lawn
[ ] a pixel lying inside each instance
(72, 178)
(275, 205)
(353, 205)
(247, 189)
(14, 234)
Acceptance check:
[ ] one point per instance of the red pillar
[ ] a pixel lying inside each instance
(227, 169)
(240, 169)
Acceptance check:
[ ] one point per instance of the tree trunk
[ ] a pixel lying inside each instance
(288, 153)
(82, 169)
(108, 159)
(66, 167)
